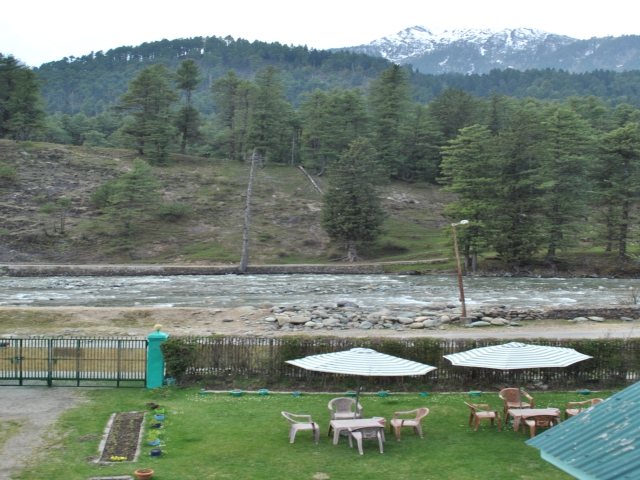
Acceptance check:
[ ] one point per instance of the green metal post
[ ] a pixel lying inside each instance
(155, 360)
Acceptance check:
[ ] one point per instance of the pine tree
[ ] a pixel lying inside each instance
(617, 171)
(469, 171)
(231, 97)
(563, 178)
(187, 119)
(517, 216)
(454, 109)
(390, 100)
(148, 101)
(269, 118)
(352, 211)
(21, 112)
(422, 143)
(132, 198)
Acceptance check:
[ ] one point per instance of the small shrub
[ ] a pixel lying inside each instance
(9, 174)
(172, 212)
(40, 199)
(100, 198)
(178, 356)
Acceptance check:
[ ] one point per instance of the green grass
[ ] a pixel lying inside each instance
(219, 436)
(8, 429)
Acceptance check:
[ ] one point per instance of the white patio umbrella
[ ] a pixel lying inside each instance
(517, 356)
(362, 362)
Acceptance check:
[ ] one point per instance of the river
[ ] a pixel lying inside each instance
(232, 291)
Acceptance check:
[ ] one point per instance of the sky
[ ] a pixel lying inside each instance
(40, 31)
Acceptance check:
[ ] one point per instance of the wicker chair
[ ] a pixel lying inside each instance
(480, 411)
(417, 415)
(366, 433)
(512, 399)
(572, 411)
(539, 421)
(341, 408)
(296, 425)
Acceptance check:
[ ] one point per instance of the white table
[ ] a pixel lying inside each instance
(338, 425)
(520, 413)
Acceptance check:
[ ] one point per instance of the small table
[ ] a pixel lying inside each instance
(520, 413)
(338, 425)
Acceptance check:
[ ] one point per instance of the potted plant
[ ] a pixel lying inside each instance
(143, 473)
(475, 393)
(383, 393)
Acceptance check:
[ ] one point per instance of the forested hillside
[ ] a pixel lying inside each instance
(536, 178)
(91, 83)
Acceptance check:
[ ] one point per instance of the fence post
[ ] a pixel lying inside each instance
(155, 360)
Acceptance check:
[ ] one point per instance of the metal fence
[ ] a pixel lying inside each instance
(615, 362)
(73, 362)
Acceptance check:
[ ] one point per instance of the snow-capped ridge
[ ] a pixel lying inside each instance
(480, 50)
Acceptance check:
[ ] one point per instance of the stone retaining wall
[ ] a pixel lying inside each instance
(170, 270)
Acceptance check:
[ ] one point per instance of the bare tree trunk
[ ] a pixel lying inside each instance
(352, 252)
(467, 258)
(624, 230)
(244, 259)
(311, 179)
(474, 261)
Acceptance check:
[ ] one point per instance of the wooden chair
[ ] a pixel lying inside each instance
(480, 411)
(572, 411)
(341, 408)
(366, 433)
(296, 425)
(539, 421)
(416, 417)
(511, 399)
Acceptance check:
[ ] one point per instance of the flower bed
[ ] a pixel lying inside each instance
(123, 437)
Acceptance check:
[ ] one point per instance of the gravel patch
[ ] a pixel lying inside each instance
(37, 409)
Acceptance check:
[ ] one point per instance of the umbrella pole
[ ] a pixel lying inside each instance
(520, 390)
(355, 410)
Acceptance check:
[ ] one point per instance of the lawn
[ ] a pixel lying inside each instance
(214, 436)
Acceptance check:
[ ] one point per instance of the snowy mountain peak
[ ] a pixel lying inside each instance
(418, 40)
(466, 50)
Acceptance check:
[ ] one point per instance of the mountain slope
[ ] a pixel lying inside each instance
(481, 50)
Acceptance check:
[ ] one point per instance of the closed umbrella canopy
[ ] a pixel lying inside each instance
(517, 356)
(364, 362)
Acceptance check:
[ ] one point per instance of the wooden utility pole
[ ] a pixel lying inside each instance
(244, 259)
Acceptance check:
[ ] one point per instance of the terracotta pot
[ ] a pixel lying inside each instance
(143, 475)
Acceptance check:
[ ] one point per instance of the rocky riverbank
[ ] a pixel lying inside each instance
(344, 319)
(349, 316)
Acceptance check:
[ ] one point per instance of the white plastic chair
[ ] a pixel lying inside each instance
(296, 425)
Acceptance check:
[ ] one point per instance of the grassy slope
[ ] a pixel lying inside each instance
(285, 212)
(285, 216)
(220, 436)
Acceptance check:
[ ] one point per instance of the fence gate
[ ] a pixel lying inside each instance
(73, 362)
